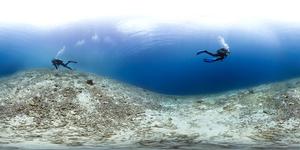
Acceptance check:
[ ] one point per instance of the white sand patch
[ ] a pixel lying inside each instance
(21, 120)
(85, 100)
(43, 84)
(210, 124)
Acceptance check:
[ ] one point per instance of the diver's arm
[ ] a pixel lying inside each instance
(56, 67)
(200, 52)
(207, 52)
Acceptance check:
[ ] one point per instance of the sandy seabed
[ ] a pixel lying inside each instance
(47, 109)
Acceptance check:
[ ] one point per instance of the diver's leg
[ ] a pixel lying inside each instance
(208, 60)
(66, 66)
(70, 62)
(207, 52)
(213, 60)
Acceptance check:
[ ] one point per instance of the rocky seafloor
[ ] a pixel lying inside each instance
(44, 108)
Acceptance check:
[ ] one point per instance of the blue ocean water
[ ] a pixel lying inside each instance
(158, 57)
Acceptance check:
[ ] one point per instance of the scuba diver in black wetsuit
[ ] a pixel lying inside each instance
(57, 62)
(221, 54)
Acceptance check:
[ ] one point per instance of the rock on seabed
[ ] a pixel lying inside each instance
(60, 107)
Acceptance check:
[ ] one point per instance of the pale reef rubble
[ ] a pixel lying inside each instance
(62, 108)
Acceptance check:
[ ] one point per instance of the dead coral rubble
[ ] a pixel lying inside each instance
(58, 102)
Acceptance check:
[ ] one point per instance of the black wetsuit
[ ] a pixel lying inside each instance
(57, 62)
(220, 55)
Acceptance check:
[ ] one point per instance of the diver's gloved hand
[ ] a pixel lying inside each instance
(209, 60)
